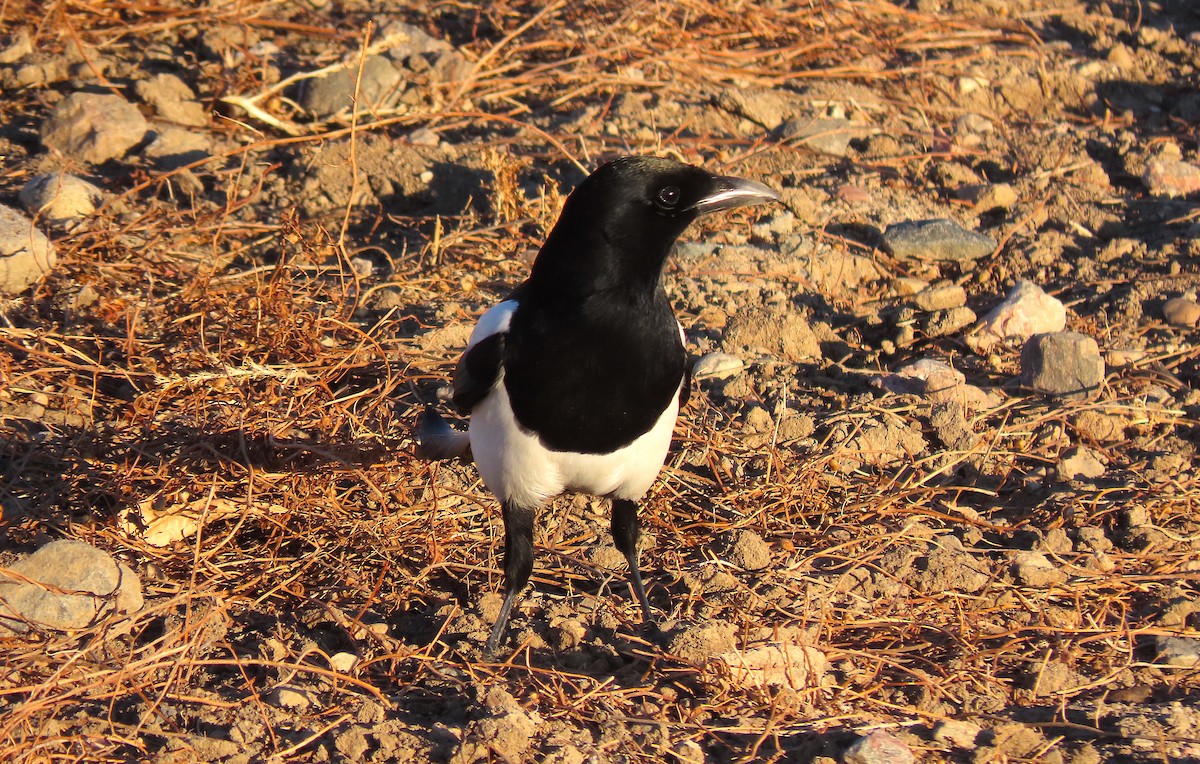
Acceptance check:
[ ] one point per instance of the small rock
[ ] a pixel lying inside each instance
(1024, 312)
(25, 252)
(718, 366)
(172, 99)
(941, 297)
(906, 285)
(973, 124)
(16, 47)
(93, 128)
(788, 334)
(175, 147)
(957, 734)
(697, 643)
(828, 136)
(284, 696)
(1171, 178)
(688, 752)
(1066, 364)
(989, 196)
(343, 662)
(379, 88)
(747, 550)
(1035, 569)
(96, 586)
(879, 747)
(939, 240)
(59, 198)
(947, 322)
(1181, 311)
(1177, 651)
(922, 376)
(848, 192)
(1080, 462)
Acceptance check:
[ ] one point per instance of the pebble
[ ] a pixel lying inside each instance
(59, 198)
(1181, 311)
(1035, 569)
(775, 664)
(1171, 178)
(175, 147)
(880, 747)
(828, 136)
(93, 127)
(1065, 364)
(16, 47)
(1024, 312)
(1178, 651)
(380, 87)
(973, 124)
(957, 734)
(941, 297)
(289, 697)
(1080, 462)
(947, 322)
(718, 366)
(989, 196)
(343, 662)
(172, 99)
(104, 585)
(25, 252)
(940, 239)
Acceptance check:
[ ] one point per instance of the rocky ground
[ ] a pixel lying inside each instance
(935, 496)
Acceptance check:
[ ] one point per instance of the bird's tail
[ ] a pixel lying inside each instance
(436, 439)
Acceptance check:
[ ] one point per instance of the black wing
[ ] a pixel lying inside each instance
(477, 372)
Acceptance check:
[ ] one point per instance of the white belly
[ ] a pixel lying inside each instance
(517, 467)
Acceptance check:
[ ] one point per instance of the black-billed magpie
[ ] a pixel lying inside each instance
(574, 381)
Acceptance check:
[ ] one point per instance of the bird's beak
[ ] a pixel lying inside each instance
(729, 192)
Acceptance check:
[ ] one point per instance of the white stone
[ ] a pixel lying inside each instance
(1026, 311)
(718, 366)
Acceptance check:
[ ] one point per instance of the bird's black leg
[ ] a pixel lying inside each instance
(625, 531)
(518, 563)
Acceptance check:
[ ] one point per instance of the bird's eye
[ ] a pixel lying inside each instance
(668, 196)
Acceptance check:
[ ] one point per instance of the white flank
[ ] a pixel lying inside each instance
(496, 319)
(517, 467)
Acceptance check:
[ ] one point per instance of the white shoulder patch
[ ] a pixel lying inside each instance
(494, 321)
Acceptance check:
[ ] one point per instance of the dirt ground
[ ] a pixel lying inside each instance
(218, 381)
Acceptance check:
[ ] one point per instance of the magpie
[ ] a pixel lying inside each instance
(574, 381)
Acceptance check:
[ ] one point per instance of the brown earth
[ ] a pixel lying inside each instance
(248, 327)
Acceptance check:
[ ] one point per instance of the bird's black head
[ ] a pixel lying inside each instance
(617, 228)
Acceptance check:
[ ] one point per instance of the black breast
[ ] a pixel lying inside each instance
(592, 377)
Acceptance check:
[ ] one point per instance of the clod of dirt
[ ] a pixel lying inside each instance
(1035, 569)
(697, 643)
(785, 334)
(880, 747)
(25, 252)
(93, 128)
(1025, 311)
(989, 196)
(66, 585)
(1065, 364)
(172, 99)
(286, 696)
(59, 198)
(506, 731)
(956, 733)
(774, 665)
(828, 136)
(1081, 462)
(947, 322)
(1099, 426)
(1056, 678)
(174, 147)
(1181, 311)
(881, 444)
(747, 550)
(940, 239)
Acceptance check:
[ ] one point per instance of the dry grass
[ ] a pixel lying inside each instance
(209, 356)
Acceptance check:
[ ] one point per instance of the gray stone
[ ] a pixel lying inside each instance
(66, 585)
(1066, 364)
(828, 136)
(940, 239)
(1177, 651)
(880, 747)
(59, 198)
(947, 322)
(93, 128)
(1080, 462)
(941, 297)
(718, 366)
(25, 252)
(172, 99)
(380, 87)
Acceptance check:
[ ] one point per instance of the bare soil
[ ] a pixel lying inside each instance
(247, 334)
